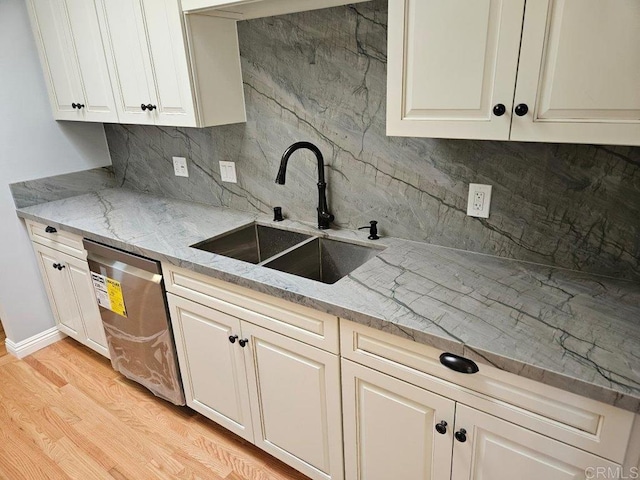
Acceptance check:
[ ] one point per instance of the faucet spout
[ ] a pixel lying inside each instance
(324, 217)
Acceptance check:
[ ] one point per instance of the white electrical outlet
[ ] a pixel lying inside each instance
(479, 200)
(180, 167)
(228, 172)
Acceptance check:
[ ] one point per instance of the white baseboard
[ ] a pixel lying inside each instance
(35, 343)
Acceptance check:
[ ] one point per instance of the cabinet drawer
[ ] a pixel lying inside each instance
(593, 426)
(304, 324)
(62, 241)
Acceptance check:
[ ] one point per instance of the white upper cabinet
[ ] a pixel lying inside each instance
(149, 56)
(246, 9)
(453, 64)
(163, 73)
(68, 37)
(450, 62)
(167, 46)
(138, 62)
(579, 72)
(127, 46)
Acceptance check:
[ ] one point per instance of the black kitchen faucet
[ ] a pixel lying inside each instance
(324, 217)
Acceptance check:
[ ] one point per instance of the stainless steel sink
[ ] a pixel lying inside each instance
(253, 243)
(322, 259)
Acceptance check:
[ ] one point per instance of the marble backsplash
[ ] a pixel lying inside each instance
(321, 76)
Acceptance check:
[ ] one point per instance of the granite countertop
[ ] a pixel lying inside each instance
(571, 330)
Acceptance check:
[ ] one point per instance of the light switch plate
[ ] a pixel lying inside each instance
(180, 167)
(479, 200)
(228, 172)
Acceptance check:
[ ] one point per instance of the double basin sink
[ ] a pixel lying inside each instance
(316, 258)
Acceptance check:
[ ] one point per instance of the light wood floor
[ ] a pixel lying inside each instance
(64, 413)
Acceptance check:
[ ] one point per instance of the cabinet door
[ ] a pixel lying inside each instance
(390, 428)
(579, 72)
(85, 296)
(60, 291)
(128, 54)
(295, 402)
(52, 31)
(450, 62)
(163, 22)
(68, 36)
(97, 94)
(212, 367)
(498, 450)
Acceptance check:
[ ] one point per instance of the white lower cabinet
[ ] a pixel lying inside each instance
(272, 372)
(295, 397)
(390, 428)
(212, 367)
(393, 429)
(68, 284)
(275, 391)
(498, 450)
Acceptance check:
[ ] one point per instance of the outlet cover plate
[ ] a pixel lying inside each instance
(180, 167)
(228, 172)
(479, 200)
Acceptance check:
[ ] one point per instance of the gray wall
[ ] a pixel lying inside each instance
(32, 145)
(321, 76)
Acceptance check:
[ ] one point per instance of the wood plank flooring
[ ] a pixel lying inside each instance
(65, 413)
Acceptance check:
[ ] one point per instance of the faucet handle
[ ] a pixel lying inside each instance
(373, 230)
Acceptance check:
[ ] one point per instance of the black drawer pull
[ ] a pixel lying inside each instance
(458, 363)
(50, 230)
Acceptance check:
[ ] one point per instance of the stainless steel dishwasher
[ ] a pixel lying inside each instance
(133, 307)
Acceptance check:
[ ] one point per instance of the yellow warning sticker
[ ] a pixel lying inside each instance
(109, 293)
(115, 297)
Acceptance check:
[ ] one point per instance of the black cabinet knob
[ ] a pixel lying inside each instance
(499, 110)
(233, 338)
(521, 109)
(74, 105)
(441, 427)
(461, 435)
(55, 265)
(143, 107)
(50, 230)
(148, 106)
(243, 342)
